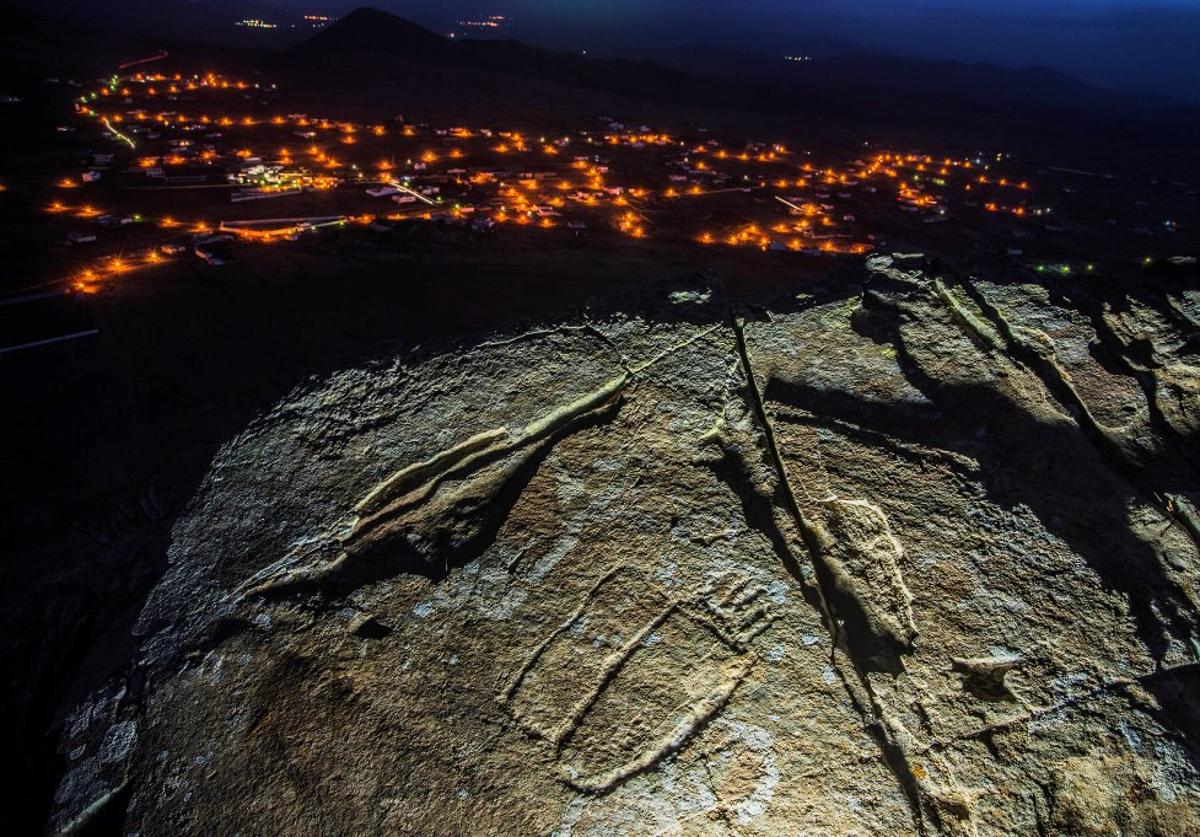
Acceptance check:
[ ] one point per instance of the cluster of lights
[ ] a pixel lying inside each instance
(489, 22)
(919, 181)
(92, 278)
(922, 169)
(1064, 269)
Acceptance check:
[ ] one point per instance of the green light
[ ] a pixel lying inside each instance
(1090, 268)
(1066, 268)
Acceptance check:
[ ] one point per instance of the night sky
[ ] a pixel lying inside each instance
(1145, 45)
(1134, 44)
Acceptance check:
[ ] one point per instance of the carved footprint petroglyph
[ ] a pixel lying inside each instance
(862, 557)
(634, 673)
(717, 786)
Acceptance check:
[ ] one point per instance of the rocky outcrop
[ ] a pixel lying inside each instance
(904, 553)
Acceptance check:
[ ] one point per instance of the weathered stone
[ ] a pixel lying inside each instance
(678, 567)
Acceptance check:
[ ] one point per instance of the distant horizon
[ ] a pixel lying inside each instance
(1126, 45)
(1129, 45)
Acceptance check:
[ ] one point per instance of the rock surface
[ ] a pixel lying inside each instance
(897, 555)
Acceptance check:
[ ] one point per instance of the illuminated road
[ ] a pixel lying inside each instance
(398, 185)
(162, 53)
(107, 124)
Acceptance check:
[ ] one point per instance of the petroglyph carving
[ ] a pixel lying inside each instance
(414, 475)
(445, 508)
(724, 781)
(851, 545)
(614, 701)
(972, 326)
(984, 676)
(445, 505)
(863, 559)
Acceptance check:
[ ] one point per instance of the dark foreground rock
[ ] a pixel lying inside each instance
(900, 554)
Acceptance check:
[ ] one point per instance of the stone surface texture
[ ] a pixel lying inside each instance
(900, 554)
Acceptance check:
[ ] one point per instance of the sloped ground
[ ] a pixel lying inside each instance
(899, 555)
